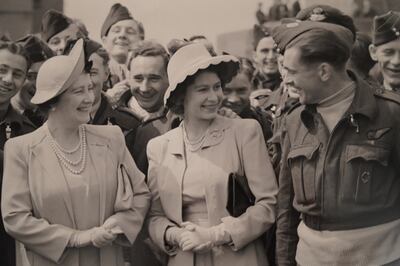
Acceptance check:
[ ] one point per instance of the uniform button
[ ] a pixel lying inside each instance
(365, 177)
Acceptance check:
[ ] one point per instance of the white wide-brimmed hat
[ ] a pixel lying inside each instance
(191, 58)
(58, 73)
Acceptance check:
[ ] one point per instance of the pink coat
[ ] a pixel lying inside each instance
(221, 154)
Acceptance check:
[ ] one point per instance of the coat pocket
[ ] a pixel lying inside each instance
(302, 162)
(363, 165)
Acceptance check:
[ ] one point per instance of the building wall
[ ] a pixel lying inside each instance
(20, 17)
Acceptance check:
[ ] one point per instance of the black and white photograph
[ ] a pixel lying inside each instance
(200, 133)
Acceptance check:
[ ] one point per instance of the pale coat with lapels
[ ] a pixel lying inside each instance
(37, 206)
(167, 164)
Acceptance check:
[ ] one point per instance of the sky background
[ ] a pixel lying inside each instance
(167, 19)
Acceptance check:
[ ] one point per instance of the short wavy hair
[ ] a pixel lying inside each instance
(149, 48)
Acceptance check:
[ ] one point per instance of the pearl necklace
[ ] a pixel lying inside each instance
(194, 145)
(61, 153)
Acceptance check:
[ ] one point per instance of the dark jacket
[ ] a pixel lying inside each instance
(13, 124)
(107, 115)
(262, 117)
(346, 179)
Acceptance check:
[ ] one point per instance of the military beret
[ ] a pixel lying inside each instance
(386, 28)
(117, 13)
(36, 49)
(286, 33)
(329, 14)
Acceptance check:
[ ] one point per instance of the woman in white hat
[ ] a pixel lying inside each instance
(189, 168)
(72, 194)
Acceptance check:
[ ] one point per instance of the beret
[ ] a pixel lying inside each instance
(36, 49)
(286, 33)
(117, 13)
(329, 14)
(386, 28)
(53, 22)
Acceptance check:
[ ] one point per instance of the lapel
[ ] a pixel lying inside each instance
(97, 152)
(178, 162)
(49, 161)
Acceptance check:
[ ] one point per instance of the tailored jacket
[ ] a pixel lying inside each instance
(37, 207)
(346, 179)
(231, 145)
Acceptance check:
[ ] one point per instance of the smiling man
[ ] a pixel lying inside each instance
(340, 151)
(119, 33)
(14, 63)
(38, 53)
(385, 48)
(265, 56)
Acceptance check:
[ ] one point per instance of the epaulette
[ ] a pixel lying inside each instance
(293, 107)
(387, 94)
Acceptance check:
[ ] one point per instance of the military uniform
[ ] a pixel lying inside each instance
(12, 125)
(262, 117)
(106, 115)
(343, 180)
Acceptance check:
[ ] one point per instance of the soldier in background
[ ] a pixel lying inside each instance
(14, 63)
(120, 32)
(38, 53)
(385, 48)
(57, 29)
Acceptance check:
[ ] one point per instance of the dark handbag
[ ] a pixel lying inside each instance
(240, 196)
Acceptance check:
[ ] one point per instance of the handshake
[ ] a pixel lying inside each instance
(96, 236)
(191, 237)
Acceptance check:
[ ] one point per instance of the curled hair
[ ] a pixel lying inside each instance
(149, 48)
(175, 100)
(17, 49)
(319, 46)
(46, 106)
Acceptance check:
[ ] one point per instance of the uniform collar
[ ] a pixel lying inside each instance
(363, 104)
(15, 119)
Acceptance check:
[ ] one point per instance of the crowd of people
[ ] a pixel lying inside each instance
(132, 153)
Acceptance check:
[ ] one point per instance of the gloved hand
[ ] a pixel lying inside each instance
(223, 111)
(195, 237)
(102, 237)
(201, 239)
(173, 235)
(81, 238)
(114, 94)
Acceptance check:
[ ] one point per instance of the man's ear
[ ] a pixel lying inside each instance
(372, 52)
(325, 71)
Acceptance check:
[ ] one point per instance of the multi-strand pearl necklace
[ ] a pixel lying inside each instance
(194, 145)
(61, 153)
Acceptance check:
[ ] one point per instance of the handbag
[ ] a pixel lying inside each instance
(124, 195)
(240, 196)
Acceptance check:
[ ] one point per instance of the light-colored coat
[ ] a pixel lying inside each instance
(167, 164)
(37, 207)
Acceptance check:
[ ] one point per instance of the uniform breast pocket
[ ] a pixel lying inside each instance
(302, 162)
(364, 165)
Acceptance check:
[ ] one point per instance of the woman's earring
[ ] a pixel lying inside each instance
(53, 108)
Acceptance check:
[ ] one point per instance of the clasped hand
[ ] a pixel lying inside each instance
(191, 237)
